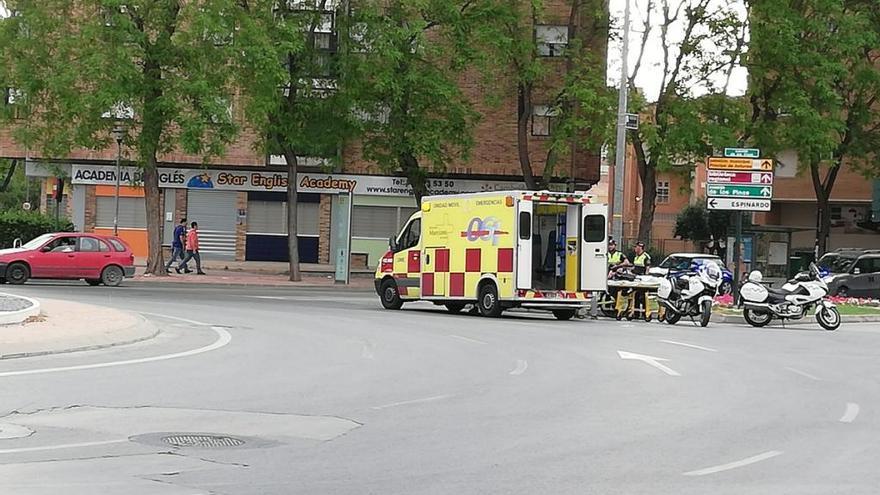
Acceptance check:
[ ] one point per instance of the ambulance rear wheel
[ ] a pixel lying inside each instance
(563, 314)
(390, 295)
(488, 301)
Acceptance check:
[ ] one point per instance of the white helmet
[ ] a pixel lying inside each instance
(756, 277)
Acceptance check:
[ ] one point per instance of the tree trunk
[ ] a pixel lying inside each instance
(9, 173)
(292, 240)
(417, 178)
(823, 199)
(524, 112)
(155, 261)
(648, 176)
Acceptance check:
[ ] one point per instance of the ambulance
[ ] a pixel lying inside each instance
(497, 251)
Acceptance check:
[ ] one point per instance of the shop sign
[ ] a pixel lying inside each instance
(261, 180)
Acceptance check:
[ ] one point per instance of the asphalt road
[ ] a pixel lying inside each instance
(332, 394)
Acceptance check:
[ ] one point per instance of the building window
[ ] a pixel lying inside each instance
(552, 40)
(836, 213)
(270, 218)
(662, 192)
(543, 117)
(132, 212)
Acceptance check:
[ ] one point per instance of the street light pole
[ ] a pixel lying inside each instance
(119, 134)
(620, 152)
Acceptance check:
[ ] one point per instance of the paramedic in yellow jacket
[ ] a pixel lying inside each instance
(641, 263)
(615, 258)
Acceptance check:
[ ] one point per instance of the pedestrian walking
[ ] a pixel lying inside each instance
(192, 249)
(177, 246)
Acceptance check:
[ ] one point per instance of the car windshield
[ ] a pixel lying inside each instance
(684, 262)
(37, 241)
(835, 263)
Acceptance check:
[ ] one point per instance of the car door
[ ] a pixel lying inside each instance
(873, 287)
(55, 259)
(408, 259)
(91, 256)
(860, 275)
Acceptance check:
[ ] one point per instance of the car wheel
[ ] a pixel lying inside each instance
(725, 289)
(454, 307)
(843, 291)
(488, 301)
(112, 276)
(390, 295)
(2, 281)
(93, 282)
(563, 314)
(17, 273)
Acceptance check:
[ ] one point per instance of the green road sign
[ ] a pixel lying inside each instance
(738, 191)
(742, 153)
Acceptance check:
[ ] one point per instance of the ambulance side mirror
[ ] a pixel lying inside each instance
(392, 243)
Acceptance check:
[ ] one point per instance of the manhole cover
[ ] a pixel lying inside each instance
(202, 441)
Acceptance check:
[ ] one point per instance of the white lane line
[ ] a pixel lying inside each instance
(852, 410)
(468, 339)
(735, 464)
(62, 446)
(521, 366)
(804, 374)
(185, 320)
(223, 338)
(414, 401)
(692, 346)
(276, 298)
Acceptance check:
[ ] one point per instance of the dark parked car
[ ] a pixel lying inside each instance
(852, 272)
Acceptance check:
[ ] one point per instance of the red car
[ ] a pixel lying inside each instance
(68, 255)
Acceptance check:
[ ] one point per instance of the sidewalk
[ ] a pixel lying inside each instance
(239, 278)
(70, 327)
(268, 267)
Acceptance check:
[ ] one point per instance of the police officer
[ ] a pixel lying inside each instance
(641, 260)
(615, 257)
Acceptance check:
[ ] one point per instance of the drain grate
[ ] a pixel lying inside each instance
(202, 441)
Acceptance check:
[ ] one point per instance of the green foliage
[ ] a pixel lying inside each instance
(696, 223)
(26, 225)
(15, 193)
(72, 62)
(815, 80)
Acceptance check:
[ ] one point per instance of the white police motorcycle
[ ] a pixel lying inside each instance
(689, 293)
(792, 302)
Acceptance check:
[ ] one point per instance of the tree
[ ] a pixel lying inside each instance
(292, 75)
(697, 223)
(701, 41)
(814, 87)
(76, 66)
(407, 58)
(582, 106)
(13, 185)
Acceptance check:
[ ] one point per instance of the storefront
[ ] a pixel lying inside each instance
(242, 214)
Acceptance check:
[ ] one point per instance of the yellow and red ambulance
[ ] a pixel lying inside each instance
(498, 250)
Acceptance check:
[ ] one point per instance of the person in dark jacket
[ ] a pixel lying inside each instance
(177, 245)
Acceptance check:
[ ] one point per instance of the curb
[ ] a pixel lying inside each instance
(202, 285)
(13, 317)
(142, 322)
(806, 321)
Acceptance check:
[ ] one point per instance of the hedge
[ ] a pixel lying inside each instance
(26, 225)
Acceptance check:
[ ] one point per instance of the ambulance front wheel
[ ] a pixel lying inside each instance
(390, 295)
(488, 301)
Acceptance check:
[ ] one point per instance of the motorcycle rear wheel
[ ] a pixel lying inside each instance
(756, 319)
(672, 317)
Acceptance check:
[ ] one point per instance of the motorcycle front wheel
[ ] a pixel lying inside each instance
(705, 313)
(756, 319)
(828, 318)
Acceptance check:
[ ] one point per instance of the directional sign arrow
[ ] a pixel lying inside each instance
(651, 360)
(713, 202)
(766, 178)
(766, 191)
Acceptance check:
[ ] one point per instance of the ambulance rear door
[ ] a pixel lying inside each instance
(524, 244)
(594, 224)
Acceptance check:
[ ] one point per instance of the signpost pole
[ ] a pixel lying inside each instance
(737, 246)
(620, 150)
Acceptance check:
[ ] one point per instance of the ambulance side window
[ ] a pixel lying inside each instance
(410, 237)
(525, 225)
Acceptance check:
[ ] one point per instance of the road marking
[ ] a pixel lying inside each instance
(692, 346)
(223, 338)
(852, 410)
(276, 298)
(651, 360)
(414, 401)
(185, 320)
(521, 366)
(804, 374)
(735, 464)
(468, 339)
(62, 446)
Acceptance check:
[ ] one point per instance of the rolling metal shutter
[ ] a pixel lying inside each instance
(216, 213)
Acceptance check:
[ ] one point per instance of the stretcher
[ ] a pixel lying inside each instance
(628, 292)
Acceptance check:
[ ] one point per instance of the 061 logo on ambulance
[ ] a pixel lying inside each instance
(484, 230)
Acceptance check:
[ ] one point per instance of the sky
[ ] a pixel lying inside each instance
(650, 75)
